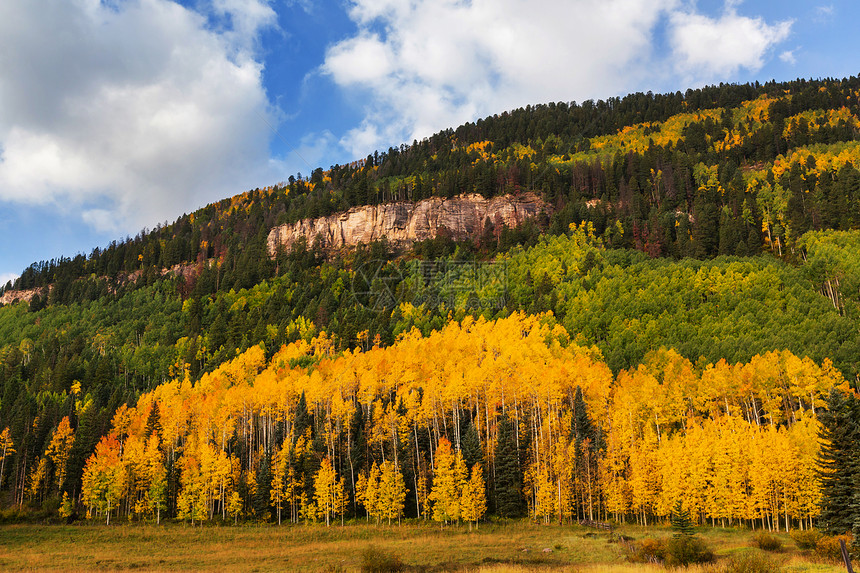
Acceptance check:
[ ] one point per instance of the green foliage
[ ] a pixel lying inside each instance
(470, 445)
(805, 539)
(839, 469)
(767, 542)
(508, 485)
(681, 522)
(746, 562)
(684, 550)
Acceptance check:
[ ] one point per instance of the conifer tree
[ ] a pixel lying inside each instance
(508, 490)
(681, 522)
(262, 495)
(839, 469)
(153, 421)
(471, 447)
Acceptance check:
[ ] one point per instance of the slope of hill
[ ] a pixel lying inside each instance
(717, 228)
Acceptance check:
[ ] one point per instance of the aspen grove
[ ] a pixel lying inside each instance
(505, 417)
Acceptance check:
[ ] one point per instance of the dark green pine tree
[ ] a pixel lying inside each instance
(262, 507)
(583, 428)
(302, 419)
(681, 522)
(508, 490)
(153, 421)
(471, 446)
(838, 460)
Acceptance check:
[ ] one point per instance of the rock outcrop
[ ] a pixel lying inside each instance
(403, 223)
(13, 296)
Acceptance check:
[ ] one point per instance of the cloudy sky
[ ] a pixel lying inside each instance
(116, 115)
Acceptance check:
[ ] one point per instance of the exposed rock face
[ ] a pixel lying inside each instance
(404, 223)
(13, 296)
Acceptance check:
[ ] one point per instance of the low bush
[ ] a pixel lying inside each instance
(375, 560)
(767, 542)
(828, 546)
(648, 551)
(686, 549)
(674, 552)
(806, 539)
(746, 562)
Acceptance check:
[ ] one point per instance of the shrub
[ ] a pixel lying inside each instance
(683, 550)
(767, 542)
(829, 548)
(649, 551)
(746, 562)
(375, 560)
(806, 539)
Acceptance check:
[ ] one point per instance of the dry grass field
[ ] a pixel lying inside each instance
(497, 548)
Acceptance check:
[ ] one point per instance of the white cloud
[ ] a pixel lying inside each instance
(706, 48)
(136, 109)
(424, 65)
(6, 277)
(788, 57)
(824, 13)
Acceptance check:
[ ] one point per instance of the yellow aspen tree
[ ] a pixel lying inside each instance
(341, 499)
(156, 476)
(38, 479)
(392, 491)
(67, 507)
(371, 497)
(473, 502)
(361, 492)
(563, 469)
(7, 447)
(448, 477)
(326, 493)
(234, 505)
(544, 494)
(644, 479)
(60, 449)
(280, 477)
(104, 477)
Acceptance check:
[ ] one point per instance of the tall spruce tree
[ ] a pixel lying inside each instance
(262, 494)
(471, 447)
(838, 459)
(508, 490)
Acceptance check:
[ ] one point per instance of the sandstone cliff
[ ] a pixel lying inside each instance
(404, 223)
(13, 296)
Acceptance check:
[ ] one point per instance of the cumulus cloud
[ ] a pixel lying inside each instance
(708, 48)
(134, 111)
(6, 277)
(428, 64)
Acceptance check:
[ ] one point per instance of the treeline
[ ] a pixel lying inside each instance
(315, 434)
(721, 170)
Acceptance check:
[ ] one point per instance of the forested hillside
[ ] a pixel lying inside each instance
(697, 278)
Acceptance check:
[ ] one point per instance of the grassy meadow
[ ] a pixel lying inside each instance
(513, 547)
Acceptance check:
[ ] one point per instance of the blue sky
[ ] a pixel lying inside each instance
(117, 115)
